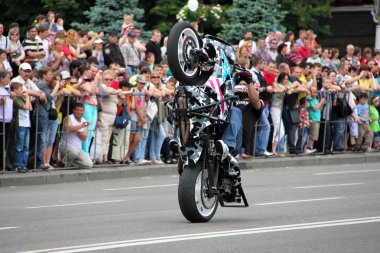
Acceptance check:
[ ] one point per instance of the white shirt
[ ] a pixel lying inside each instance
(73, 140)
(45, 44)
(27, 85)
(23, 118)
(6, 110)
(4, 42)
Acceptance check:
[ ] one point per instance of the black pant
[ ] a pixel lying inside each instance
(324, 129)
(5, 133)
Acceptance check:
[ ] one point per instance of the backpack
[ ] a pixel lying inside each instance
(342, 108)
(122, 119)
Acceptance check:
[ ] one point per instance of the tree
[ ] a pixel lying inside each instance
(161, 14)
(107, 15)
(256, 16)
(306, 15)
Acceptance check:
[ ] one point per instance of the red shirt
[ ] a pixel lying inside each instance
(115, 85)
(270, 78)
(304, 52)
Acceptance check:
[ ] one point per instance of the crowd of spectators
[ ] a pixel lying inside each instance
(61, 93)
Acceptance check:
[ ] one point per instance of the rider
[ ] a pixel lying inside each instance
(239, 135)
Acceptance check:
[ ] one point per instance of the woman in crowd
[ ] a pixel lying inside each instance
(275, 110)
(289, 38)
(109, 104)
(57, 58)
(98, 52)
(89, 90)
(326, 62)
(156, 127)
(335, 57)
(16, 50)
(73, 41)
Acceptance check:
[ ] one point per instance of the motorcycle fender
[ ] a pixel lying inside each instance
(191, 153)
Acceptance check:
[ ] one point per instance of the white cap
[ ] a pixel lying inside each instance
(25, 66)
(98, 41)
(65, 74)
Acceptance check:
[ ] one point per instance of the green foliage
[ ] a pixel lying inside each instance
(256, 16)
(305, 14)
(107, 15)
(162, 15)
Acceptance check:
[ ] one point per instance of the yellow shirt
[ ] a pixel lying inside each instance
(68, 87)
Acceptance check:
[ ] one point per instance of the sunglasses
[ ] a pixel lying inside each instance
(154, 77)
(73, 82)
(108, 79)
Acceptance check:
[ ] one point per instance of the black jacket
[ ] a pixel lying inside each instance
(112, 54)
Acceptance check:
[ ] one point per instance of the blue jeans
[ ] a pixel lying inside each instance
(338, 132)
(43, 124)
(303, 137)
(91, 115)
(158, 137)
(233, 135)
(139, 153)
(263, 131)
(21, 149)
(51, 132)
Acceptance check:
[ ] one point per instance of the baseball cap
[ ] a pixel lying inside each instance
(113, 33)
(98, 41)
(125, 83)
(65, 74)
(131, 34)
(141, 79)
(273, 29)
(25, 66)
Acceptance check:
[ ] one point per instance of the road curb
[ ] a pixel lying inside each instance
(101, 173)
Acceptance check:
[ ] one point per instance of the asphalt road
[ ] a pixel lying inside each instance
(303, 209)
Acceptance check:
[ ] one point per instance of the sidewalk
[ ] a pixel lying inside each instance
(102, 173)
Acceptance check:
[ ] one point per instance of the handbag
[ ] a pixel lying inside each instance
(151, 110)
(294, 115)
(122, 119)
(52, 112)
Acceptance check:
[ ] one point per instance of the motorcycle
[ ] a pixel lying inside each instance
(200, 111)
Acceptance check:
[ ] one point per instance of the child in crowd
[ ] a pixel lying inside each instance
(365, 134)
(314, 110)
(21, 124)
(374, 122)
(303, 124)
(127, 24)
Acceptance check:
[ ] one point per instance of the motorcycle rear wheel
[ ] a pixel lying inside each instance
(182, 39)
(192, 197)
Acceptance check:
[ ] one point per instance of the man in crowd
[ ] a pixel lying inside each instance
(111, 51)
(263, 129)
(75, 130)
(153, 46)
(34, 48)
(131, 53)
(293, 56)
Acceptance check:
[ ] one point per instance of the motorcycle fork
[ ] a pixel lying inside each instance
(212, 167)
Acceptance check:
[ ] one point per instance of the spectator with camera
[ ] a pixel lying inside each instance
(75, 130)
(131, 51)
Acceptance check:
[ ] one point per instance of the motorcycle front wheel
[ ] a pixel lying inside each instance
(192, 195)
(182, 39)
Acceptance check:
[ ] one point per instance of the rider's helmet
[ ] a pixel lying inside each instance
(242, 79)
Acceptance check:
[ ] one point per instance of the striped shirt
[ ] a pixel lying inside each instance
(33, 46)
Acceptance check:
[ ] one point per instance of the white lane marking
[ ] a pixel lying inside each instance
(200, 236)
(78, 204)
(344, 172)
(326, 185)
(140, 187)
(297, 201)
(6, 228)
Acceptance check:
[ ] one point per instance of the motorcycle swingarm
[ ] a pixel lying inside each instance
(242, 194)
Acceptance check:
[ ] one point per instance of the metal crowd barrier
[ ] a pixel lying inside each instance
(257, 127)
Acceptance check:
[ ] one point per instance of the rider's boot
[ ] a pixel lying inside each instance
(221, 149)
(233, 169)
